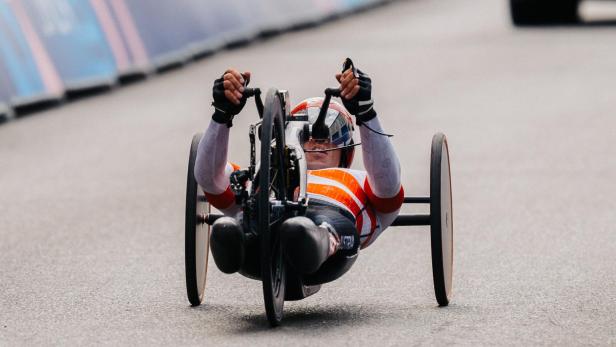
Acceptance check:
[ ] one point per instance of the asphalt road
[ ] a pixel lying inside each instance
(92, 193)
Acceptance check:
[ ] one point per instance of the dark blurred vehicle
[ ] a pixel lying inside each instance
(537, 12)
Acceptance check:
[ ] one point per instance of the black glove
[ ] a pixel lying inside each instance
(361, 105)
(225, 110)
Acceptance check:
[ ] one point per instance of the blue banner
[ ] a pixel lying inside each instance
(5, 84)
(163, 29)
(48, 46)
(354, 4)
(231, 20)
(71, 34)
(122, 37)
(210, 27)
(20, 78)
(173, 31)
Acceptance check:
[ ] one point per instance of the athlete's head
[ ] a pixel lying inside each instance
(340, 126)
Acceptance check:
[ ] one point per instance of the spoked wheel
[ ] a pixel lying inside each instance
(441, 220)
(272, 191)
(197, 232)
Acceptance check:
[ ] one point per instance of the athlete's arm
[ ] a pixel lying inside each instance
(380, 160)
(383, 187)
(212, 170)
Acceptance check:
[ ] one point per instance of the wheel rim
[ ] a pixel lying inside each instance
(202, 242)
(446, 220)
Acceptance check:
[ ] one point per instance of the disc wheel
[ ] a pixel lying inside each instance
(441, 220)
(272, 194)
(197, 232)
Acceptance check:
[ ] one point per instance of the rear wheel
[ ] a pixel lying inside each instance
(537, 12)
(197, 232)
(441, 220)
(271, 195)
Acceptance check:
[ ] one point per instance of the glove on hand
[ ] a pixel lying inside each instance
(225, 110)
(360, 105)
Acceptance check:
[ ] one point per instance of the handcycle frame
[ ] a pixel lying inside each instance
(265, 209)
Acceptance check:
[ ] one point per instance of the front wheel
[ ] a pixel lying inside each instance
(271, 197)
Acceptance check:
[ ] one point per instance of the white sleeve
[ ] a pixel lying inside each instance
(383, 187)
(380, 161)
(212, 170)
(211, 159)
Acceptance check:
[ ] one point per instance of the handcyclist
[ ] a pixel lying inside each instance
(347, 210)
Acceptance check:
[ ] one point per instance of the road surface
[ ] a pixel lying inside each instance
(92, 193)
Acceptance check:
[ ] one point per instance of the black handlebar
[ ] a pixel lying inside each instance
(256, 92)
(319, 130)
(250, 92)
(332, 92)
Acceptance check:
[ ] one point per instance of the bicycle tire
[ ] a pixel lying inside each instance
(441, 220)
(273, 269)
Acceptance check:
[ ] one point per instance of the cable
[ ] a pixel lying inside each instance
(375, 131)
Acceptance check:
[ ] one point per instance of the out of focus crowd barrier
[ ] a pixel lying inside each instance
(49, 48)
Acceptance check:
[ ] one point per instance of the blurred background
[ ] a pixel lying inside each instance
(52, 49)
(92, 182)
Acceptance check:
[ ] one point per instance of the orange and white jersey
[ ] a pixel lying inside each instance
(346, 189)
(349, 190)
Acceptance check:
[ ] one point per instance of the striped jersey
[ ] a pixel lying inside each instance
(344, 188)
(349, 189)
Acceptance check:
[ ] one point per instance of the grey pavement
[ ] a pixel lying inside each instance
(92, 193)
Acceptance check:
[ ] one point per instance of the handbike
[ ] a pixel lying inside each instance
(275, 189)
